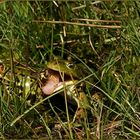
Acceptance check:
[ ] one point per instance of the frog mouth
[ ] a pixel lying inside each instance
(56, 82)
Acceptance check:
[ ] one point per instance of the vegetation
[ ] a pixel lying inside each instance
(103, 36)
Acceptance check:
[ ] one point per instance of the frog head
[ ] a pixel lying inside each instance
(60, 73)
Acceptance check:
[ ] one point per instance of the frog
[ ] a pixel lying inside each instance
(62, 74)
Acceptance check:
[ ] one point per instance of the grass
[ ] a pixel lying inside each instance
(102, 36)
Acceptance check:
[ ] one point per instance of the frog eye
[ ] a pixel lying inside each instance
(69, 65)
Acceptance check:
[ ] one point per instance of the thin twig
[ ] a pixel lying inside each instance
(92, 20)
(78, 24)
